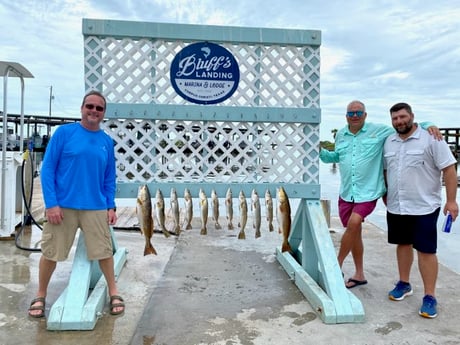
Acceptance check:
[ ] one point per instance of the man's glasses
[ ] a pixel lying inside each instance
(92, 106)
(358, 113)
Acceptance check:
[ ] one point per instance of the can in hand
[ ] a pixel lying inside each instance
(447, 223)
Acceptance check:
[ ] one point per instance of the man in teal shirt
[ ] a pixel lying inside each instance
(359, 152)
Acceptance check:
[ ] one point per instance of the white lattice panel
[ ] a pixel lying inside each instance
(131, 67)
(174, 151)
(137, 71)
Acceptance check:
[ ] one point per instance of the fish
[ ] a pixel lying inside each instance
(269, 207)
(243, 215)
(284, 218)
(255, 207)
(229, 208)
(215, 209)
(144, 215)
(160, 212)
(175, 210)
(188, 209)
(204, 212)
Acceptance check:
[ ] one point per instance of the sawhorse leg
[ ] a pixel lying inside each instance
(315, 269)
(83, 300)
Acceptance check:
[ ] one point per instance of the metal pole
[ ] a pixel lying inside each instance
(4, 143)
(21, 131)
(19, 71)
(49, 112)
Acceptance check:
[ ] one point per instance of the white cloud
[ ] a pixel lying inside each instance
(391, 76)
(331, 61)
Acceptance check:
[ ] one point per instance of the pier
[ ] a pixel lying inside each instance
(452, 137)
(193, 292)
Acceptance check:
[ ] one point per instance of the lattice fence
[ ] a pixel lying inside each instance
(137, 71)
(214, 151)
(133, 69)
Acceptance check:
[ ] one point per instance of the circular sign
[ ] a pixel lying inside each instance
(205, 73)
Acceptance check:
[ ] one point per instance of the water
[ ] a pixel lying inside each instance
(448, 243)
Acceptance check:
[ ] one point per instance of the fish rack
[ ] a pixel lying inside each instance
(264, 136)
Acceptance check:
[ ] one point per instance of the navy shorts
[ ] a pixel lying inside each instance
(418, 230)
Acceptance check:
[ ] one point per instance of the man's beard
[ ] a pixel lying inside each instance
(404, 130)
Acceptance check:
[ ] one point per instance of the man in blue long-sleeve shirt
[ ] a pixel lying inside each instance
(78, 182)
(359, 152)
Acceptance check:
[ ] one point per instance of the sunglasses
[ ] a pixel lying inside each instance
(92, 106)
(358, 113)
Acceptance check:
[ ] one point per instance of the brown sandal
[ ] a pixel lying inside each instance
(37, 307)
(116, 305)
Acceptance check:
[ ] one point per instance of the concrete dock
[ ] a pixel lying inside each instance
(216, 289)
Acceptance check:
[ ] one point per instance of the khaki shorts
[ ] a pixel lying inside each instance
(57, 240)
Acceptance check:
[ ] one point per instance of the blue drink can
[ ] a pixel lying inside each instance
(447, 223)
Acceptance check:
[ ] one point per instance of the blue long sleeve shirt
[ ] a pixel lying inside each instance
(78, 169)
(360, 158)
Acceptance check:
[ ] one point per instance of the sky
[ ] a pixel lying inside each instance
(381, 52)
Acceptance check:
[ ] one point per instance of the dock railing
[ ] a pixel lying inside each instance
(452, 137)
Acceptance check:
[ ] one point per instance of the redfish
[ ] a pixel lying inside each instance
(284, 218)
(144, 215)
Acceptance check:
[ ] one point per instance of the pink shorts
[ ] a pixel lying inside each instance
(346, 208)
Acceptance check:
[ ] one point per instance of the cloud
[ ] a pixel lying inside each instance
(378, 51)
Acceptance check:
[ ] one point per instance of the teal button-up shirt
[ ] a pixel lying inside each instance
(360, 158)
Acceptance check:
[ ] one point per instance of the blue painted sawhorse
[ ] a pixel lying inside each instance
(84, 298)
(315, 269)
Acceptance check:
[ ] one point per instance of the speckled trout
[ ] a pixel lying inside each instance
(243, 215)
(175, 210)
(215, 209)
(269, 209)
(188, 209)
(144, 215)
(204, 212)
(229, 208)
(256, 213)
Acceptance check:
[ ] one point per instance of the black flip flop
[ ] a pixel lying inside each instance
(355, 283)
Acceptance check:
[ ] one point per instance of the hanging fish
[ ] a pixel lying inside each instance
(188, 209)
(175, 210)
(160, 212)
(229, 208)
(204, 212)
(256, 214)
(284, 218)
(215, 209)
(269, 208)
(243, 215)
(144, 215)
